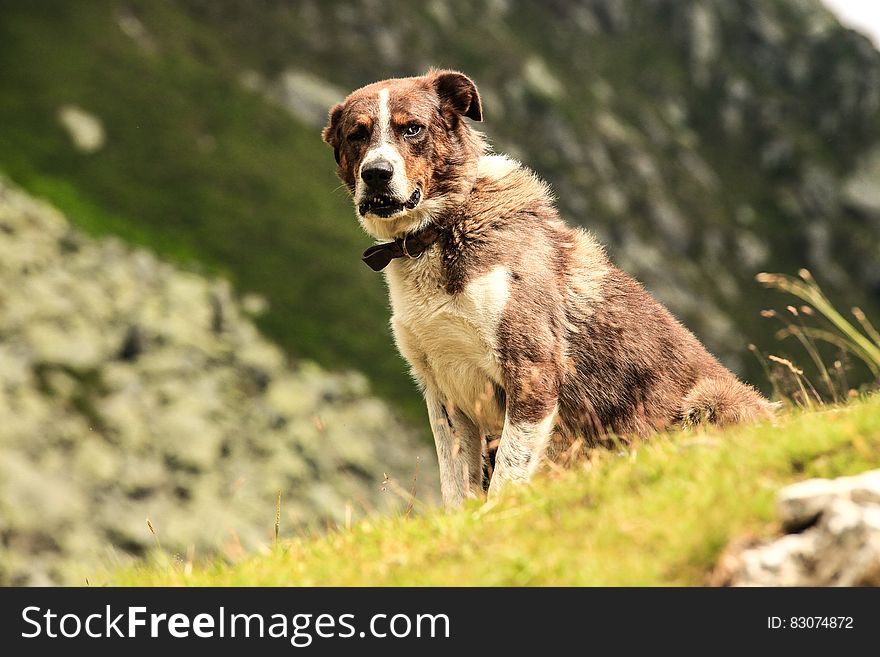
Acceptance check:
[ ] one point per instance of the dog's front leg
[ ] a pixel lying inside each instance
(459, 454)
(532, 402)
(521, 448)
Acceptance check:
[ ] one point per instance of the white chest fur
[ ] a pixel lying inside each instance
(451, 340)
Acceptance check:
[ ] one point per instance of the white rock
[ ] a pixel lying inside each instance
(839, 547)
(800, 504)
(86, 130)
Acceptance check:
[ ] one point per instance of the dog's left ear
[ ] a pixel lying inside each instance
(460, 92)
(330, 133)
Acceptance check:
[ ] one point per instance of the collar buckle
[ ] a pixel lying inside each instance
(407, 253)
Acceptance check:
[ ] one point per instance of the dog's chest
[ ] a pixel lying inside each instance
(452, 339)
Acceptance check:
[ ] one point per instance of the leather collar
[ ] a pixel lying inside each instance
(410, 246)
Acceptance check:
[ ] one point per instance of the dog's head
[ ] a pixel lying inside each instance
(404, 150)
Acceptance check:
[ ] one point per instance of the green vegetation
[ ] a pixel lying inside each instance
(821, 330)
(659, 513)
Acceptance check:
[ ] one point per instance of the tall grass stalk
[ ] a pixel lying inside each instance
(800, 331)
(864, 345)
(277, 518)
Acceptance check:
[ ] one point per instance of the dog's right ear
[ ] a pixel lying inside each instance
(331, 132)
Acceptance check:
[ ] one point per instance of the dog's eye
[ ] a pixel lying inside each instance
(413, 130)
(358, 134)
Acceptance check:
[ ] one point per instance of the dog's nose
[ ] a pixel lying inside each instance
(377, 173)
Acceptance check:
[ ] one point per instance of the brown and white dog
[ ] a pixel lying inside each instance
(513, 323)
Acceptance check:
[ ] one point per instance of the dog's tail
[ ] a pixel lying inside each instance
(724, 401)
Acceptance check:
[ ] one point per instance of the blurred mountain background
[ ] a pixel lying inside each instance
(702, 141)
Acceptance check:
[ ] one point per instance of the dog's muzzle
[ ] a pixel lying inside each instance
(386, 206)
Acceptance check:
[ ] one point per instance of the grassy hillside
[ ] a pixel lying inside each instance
(656, 514)
(702, 141)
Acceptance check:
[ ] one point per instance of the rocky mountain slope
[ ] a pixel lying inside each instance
(132, 389)
(702, 140)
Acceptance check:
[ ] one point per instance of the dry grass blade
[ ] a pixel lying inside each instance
(800, 332)
(868, 327)
(802, 382)
(277, 518)
(153, 532)
(412, 499)
(777, 391)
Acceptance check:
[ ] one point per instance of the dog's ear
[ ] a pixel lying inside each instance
(460, 92)
(331, 132)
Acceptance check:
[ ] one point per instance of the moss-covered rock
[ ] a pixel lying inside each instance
(130, 389)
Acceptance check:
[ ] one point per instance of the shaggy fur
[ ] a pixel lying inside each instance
(514, 324)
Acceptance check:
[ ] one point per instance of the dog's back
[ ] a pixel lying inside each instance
(635, 369)
(625, 364)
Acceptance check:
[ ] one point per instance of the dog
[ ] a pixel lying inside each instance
(514, 324)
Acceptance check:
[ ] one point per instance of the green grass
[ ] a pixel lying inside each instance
(658, 514)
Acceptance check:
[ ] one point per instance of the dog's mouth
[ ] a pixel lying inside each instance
(386, 206)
